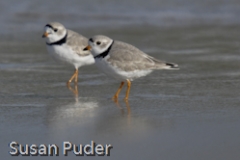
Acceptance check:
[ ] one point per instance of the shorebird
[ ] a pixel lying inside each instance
(123, 61)
(67, 46)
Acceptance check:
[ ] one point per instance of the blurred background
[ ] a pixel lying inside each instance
(192, 113)
(30, 16)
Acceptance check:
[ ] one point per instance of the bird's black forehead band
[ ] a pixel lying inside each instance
(91, 40)
(48, 25)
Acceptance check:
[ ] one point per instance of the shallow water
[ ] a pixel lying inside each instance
(192, 113)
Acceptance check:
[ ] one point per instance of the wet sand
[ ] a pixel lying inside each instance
(192, 113)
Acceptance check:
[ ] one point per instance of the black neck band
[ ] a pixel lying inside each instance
(105, 53)
(60, 42)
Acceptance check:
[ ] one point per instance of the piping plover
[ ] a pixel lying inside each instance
(123, 61)
(67, 46)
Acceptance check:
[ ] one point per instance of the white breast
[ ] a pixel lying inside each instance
(65, 54)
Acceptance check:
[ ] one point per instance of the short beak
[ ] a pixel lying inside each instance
(87, 48)
(45, 35)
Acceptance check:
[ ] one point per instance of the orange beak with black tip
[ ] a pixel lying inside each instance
(45, 35)
(88, 48)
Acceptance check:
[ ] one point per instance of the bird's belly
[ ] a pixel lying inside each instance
(118, 73)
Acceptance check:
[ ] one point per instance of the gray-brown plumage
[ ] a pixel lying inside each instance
(78, 42)
(129, 58)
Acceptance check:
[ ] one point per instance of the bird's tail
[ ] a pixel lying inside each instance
(158, 64)
(171, 65)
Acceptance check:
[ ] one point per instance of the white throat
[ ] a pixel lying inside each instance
(97, 50)
(54, 37)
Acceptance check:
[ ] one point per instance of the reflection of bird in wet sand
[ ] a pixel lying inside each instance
(75, 90)
(71, 112)
(84, 112)
(67, 46)
(123, 61)
(122, 109)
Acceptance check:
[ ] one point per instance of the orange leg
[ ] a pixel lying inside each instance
(73, 76)
(75, 90)
(76, 77)
(128, 89)
(128, 108)
(115, 97)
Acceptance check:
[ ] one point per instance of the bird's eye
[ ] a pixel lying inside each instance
(98, 43)
(55, 30)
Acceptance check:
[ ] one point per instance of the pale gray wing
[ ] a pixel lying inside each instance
(130, 58)
(77, 43)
